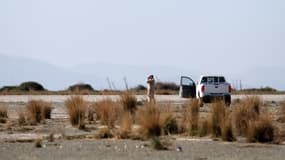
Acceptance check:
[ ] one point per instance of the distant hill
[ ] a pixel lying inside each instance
(15, 70)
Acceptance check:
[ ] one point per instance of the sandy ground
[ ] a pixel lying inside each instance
(17, 142)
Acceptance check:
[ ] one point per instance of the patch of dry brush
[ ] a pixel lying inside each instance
(191, 117)
(76, 108)
(38, 111)
(106, 112)
(3, 114)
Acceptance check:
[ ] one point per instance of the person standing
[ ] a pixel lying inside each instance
(150, 88)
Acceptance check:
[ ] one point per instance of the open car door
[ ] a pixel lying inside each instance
(187, 87)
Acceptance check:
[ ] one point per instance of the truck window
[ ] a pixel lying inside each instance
(222, 79)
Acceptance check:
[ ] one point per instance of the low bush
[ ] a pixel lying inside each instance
(148, 118)
(247, 110)
(261, 130)
(22, 120)
(129, 102)
(159, 144)
(217, 118)
(104, 133)
(76, 108)
(31, 86)
(168, 122)
(106, 112)
(81, 87)
(191, 117)
(3, 112)
(38, 111)
(227, 129)
(126, 122)
(203, 127)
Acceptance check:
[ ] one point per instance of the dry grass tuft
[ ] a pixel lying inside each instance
(76, 108)
(261, 130)
(159, 144)
(38, 143)
(191, 117)
(283, 112)
(38, 111)
(126, 122)
(227, 129)
(129, 102)
(22, 120)
(217, 118)
(168, 121)
(3, 114)
(203, 127)
(104, 133)
(148, 118)
(106, 112)
(247, 110)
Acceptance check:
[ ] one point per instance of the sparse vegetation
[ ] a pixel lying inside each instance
(80, 87)
(158, 144)
(38, 111)
(38, 143)
(217, 118)
(129, 102)
(126, 122)
(76, 107)
(30, 86)
(227, 129)
(149, 120)
(283, 112)
(21, 117)
(106, 112)
(203, 127)
(191, 117)
(247, 110)
(168, 122)
(3, 114)
(104, 133)
(261, 130)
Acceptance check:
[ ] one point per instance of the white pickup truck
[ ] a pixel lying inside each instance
(206, 89)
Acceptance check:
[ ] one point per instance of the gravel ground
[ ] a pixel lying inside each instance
(138, 150)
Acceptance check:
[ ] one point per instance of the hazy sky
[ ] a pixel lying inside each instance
(225, 35)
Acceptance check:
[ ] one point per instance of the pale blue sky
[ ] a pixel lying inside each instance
(231, 36)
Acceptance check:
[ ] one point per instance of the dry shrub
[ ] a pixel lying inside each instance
(38, 111)
(247, 110)
(159, 144)
(217, 118)
(227, 129)
(261, 130)
(21, 117)
(203, 127)
(129, 102)
(3, 114)
(191, 117)
(106, 112)
(76, 108)
(148, 118)
(104, 133)
(168, 121)
(38, 143)
(283, 112)
(126, 122)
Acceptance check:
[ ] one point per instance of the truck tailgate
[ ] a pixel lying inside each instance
(216, 88)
